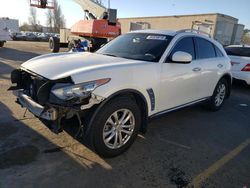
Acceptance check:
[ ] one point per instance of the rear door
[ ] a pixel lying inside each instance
(210, 63)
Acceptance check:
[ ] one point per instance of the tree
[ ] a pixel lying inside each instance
(55, 18)
(25, 27)
(33, 19)
(49, 16)
(246, 36)
(59, 21)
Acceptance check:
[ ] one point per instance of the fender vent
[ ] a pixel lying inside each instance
(152, 98)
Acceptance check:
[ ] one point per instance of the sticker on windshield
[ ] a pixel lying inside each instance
(156, 37)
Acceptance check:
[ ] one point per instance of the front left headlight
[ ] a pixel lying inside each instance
(67, 92)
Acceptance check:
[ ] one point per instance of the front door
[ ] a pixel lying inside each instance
(179, 81)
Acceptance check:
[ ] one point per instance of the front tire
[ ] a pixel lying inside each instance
(217, 100)
(115, 127)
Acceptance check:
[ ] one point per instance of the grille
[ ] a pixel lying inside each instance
(36, 87)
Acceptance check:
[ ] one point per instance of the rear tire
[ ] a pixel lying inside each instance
(54, 44)
(110, 133)
(220, 93)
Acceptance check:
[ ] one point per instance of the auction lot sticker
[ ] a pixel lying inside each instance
(156, 37)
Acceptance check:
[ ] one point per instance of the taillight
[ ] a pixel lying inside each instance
(246, 68)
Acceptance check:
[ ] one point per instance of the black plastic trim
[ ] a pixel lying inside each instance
(151, 95)
(178, 107)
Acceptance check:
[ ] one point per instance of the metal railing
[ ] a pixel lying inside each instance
(193, 31)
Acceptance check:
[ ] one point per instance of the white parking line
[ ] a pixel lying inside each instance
(173, 143)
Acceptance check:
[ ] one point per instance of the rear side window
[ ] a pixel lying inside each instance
(238, 51)
(218, 52)
(205, 48)
(185, 45)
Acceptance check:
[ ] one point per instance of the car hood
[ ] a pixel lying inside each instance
(57, 66)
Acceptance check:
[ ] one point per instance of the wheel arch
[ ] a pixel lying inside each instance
(133, 94)
(229, 80)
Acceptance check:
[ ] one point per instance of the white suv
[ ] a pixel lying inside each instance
(114, 91)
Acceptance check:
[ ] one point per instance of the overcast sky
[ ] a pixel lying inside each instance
(19, 9)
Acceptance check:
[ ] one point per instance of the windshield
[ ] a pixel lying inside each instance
(138, 46)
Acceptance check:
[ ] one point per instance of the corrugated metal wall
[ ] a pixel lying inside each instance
(9, 24)
(222, 26)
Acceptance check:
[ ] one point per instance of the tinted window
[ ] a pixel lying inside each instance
(185, 45)
(138, 46)
(205, 48)
(218, 52)
(238, 51)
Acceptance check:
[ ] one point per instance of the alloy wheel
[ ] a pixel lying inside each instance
(118, 128)
(220, 96)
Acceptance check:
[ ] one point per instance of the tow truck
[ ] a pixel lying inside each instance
(98, 26)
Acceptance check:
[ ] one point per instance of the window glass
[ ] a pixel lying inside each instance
(137, 46)
(185, 45)
(238, 51)
(205, 48)
(218, 52)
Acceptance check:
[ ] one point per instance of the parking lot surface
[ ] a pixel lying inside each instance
(191, 147)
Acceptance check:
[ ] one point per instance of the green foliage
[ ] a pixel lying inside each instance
(55, 18)
(246, 37)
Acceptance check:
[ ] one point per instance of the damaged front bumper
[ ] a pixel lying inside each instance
(53, 114)
(33, 92)
(35, 108)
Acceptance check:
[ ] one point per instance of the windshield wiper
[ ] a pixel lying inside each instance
(112, 55)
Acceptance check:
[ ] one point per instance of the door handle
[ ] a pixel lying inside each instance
(219, 65)
(196, 69)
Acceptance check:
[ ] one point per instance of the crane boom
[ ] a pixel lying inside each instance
(99, 25)
(92, 6)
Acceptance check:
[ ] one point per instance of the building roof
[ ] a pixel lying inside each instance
(188, 15)
(7, 18)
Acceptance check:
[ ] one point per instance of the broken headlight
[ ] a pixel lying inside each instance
(67, 91)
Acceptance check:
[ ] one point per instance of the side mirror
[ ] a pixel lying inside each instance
(181, 57)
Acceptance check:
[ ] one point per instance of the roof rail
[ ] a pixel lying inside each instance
(193, 31)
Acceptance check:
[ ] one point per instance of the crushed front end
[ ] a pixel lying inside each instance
(53, 100)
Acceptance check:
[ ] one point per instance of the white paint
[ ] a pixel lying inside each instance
(238, 63)
(174, 84)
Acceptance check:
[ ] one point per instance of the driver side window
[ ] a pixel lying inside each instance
(184, 45)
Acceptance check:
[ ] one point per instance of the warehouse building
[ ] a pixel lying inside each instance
(223, 28)
(6, 27)
(11, 25)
